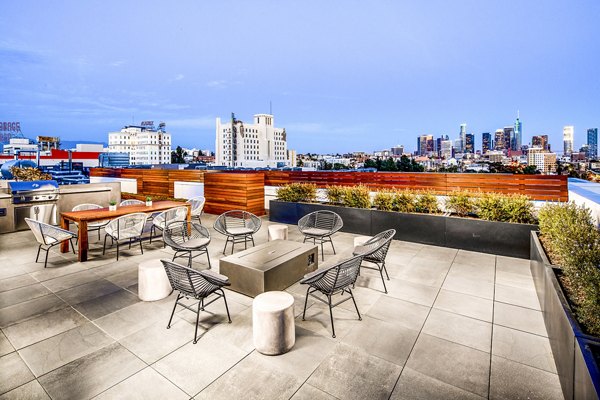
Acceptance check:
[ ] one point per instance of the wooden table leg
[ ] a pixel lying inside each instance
(83, 241)
(64, 224)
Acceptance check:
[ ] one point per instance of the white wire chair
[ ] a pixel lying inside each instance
(49, 236)
(127, 227)
(131, 202)
(92, 226)
(197, 204)
(167, 217)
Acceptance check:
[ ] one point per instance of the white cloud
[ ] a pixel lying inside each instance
(117, 63)
(197, 123)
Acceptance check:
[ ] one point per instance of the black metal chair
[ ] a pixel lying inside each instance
(320, 226)
(375, 250)
(185, 238)
(49, 236)
(195, 284)
(239, 226)
(336, 279)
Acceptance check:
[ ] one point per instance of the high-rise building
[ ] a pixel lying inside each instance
(446, 148)
(143, 143)
(251, 145)
(438, 144)
(499, 140)
(515, 143)
(486, 142)
(592, 141)
(545, 161)
(540, 141)
(398, 150)
(462, 137)
(425, 145)
(470, 143)
(509, 133)
(568, 134)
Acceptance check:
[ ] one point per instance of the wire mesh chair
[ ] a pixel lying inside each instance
(127, 227)
(320, 226)
(49, 236)
(167, 217)
(197, 204)
(185, 238)
(92, 226)
(131, 202)
(375, 250)
(195, 284)
(239, 226)
(336, 279)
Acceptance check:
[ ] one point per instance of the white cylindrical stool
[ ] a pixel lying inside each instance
(277, 231)
(360, 240)
(153, 283)
(273, 326)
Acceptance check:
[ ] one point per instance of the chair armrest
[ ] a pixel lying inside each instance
(315, 275)
(215, 278)
(55, 232)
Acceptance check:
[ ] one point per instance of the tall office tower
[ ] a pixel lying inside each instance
(509, 133)
(499, 140)
(463, 137)
(540, 141)
(515, 143)
(568, 133)
(446, 149)
(486, 142)
(425, 145)
(251, 145)
(144, 143)
(470, 143)
(592, 141)
(438, 144)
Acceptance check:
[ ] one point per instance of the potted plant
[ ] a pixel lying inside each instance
(148, 201)
(112, 205)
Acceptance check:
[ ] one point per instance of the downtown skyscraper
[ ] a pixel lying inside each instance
(515, 142)
(568, 134)
(486, 142)
(592, 142)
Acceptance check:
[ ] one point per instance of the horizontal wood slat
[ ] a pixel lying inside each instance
(234, 191)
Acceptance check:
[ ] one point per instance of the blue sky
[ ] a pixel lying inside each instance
(341, 75)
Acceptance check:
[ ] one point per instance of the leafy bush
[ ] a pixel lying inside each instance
(357, 197)
(335, 194)
(572, 239)
(490, 206)
(297, 192)
(404, 201)
(426, 202)
(384, 201)
(505, 208)
(462, 203)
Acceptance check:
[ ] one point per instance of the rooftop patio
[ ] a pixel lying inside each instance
(455, 324)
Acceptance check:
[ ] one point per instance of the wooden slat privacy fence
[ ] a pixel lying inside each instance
(237, 191)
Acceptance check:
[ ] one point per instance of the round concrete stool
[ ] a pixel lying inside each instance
(153, 283)
(360, 240)
(278, 232)
(273, 327)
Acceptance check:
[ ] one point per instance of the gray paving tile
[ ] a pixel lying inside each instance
(101, 306)
(318, 320)
(238, 333)
(465, 304)
(195, 366)
(156, 341)
(13, 271)
(352, 373)
(407, 314)
(510, 380)
(436, 252)
(466, 257)
(5, 346)
(517, 296)
(124, 279)
(45, 274)
(459, 329)
(56, 351)
(523, 347)
(30, 391)
(513, 265)
(246, 380)
(16, 282)
(451, 363)
(92, 374)
(413, 385)
(392, 342)
(511, 277)
(523, 319)
(425, 271)
(413, 292)
(43, 326)
(87, 291)
(482, 273)
(129, 320)
(144, 385)
(471, 286)
(71, 280)
(22, 294)
(14, 372)
(308, 392)
(30, 309)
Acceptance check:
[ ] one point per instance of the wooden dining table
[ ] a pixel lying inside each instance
(84, 217)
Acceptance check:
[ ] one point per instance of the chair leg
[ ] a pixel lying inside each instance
(38, 253)
(141, 247)
(331, 241)
(208, 258)
(104, 247)
(190, 260)
(226, 307)
(245, 242)
(252, 238)
(385, 269)
(331, 316)
(232, 244)
(355, 306)
(179, 296)
(197, 321)
(225, 248)
(72, 247)
(322, 252)
(117, 250)
(151, 233)
(46, 259)
(305, 301)
(382, 280)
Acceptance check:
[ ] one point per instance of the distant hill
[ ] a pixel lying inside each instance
(71, 144)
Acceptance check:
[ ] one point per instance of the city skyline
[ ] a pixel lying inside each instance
(339, 76)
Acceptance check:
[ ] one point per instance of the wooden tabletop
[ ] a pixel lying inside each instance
(100, 214)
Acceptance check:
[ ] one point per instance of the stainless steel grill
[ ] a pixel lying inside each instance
(33, 191)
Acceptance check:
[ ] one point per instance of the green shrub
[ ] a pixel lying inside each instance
(404, 201)
(335, 194)
(384, 201)
(518, 208)
(462, 203)
(426, 203)
(571, 237)
(297, 192)
(490, 206)
(357, 197)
